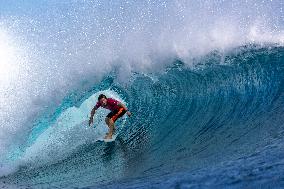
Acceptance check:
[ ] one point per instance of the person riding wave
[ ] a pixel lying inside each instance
(117, 110)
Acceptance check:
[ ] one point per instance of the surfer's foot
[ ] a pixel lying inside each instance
(108, 136)
(114, 131)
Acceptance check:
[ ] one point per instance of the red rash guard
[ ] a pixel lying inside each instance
(112, 104)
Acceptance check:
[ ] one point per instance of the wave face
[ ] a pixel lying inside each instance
(216, 125)
(204, 82)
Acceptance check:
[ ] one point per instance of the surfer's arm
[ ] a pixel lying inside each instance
(92, 115)
(93, 112)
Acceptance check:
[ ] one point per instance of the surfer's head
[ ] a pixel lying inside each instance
(102, 99)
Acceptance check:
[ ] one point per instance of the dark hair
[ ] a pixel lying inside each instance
(101, 96)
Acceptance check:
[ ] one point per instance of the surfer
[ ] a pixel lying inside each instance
(117, 110)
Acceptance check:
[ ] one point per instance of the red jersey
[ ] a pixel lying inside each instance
(112, 104)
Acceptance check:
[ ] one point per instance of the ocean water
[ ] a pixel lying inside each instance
(204, 82)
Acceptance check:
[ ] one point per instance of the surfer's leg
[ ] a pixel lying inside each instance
(110, 124)
(111, 118)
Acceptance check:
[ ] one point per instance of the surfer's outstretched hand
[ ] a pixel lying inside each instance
(91, 121)
(128, 113)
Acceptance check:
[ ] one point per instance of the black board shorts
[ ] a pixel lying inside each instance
(114, 115)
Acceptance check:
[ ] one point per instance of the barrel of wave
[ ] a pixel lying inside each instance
(69, 132)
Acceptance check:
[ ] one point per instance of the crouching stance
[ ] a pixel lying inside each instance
(117, 110)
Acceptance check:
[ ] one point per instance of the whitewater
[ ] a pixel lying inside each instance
(204, 81)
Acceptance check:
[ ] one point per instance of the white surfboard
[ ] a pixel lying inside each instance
(108, 140)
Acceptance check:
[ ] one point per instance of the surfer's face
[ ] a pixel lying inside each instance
(103, 101)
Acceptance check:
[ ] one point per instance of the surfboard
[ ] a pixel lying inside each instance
(108, 140)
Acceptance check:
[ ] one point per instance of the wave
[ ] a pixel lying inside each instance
(203, 80)
(228, 109)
